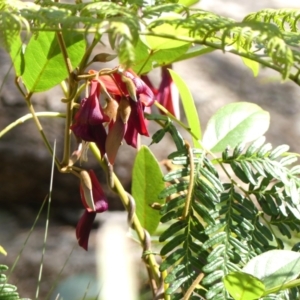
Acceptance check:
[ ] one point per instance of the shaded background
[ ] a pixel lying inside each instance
(215, 79)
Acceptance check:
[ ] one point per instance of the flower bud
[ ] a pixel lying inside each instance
(124, 110)
(130, 87)
(87, 190)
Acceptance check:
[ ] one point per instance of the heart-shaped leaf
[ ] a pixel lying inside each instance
(235, 123)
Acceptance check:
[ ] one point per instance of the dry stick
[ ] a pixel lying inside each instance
(118, 188)
(193, 286)
(191, 183)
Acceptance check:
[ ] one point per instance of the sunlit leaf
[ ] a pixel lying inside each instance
(145, 190)
(242, 286)
(252, 65)
(189, 107)
(235, 123)
(44, 63)
(159, 43)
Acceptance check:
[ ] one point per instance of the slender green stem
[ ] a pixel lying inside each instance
(72, 91)
(118, 188)
(29, 117)
(67, 135)
(289, 285)
(64, 52)
(86, 56)
(181, 124)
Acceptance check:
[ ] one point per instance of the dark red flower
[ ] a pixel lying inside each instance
(89, 119)
(126, 96)
(85, 223)
(133, 95)
(167, 94)
(119, 86)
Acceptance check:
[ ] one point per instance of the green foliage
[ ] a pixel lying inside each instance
(227, 223)
(268, 37)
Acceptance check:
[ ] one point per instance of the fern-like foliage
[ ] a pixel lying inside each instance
(227, 223)
(7, 291)
(270, 37)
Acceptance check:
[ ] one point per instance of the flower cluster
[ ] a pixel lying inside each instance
(126, 96)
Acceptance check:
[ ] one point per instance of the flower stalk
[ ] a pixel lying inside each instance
(118, 188)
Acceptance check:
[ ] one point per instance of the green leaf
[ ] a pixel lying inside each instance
(235, 123)
(172, 230)
(172, 244)
(172, 259)
(275, 268)
(189, 107)
(146, 59)
(252, 65)
(44, 63)
(242, 286)
(145, 190)
(216, 239)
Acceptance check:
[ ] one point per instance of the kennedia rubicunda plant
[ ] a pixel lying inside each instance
(229, 202)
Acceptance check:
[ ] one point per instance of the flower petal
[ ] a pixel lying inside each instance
(168, 95)
(114, 139)
(84, 228)
(100, 200)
